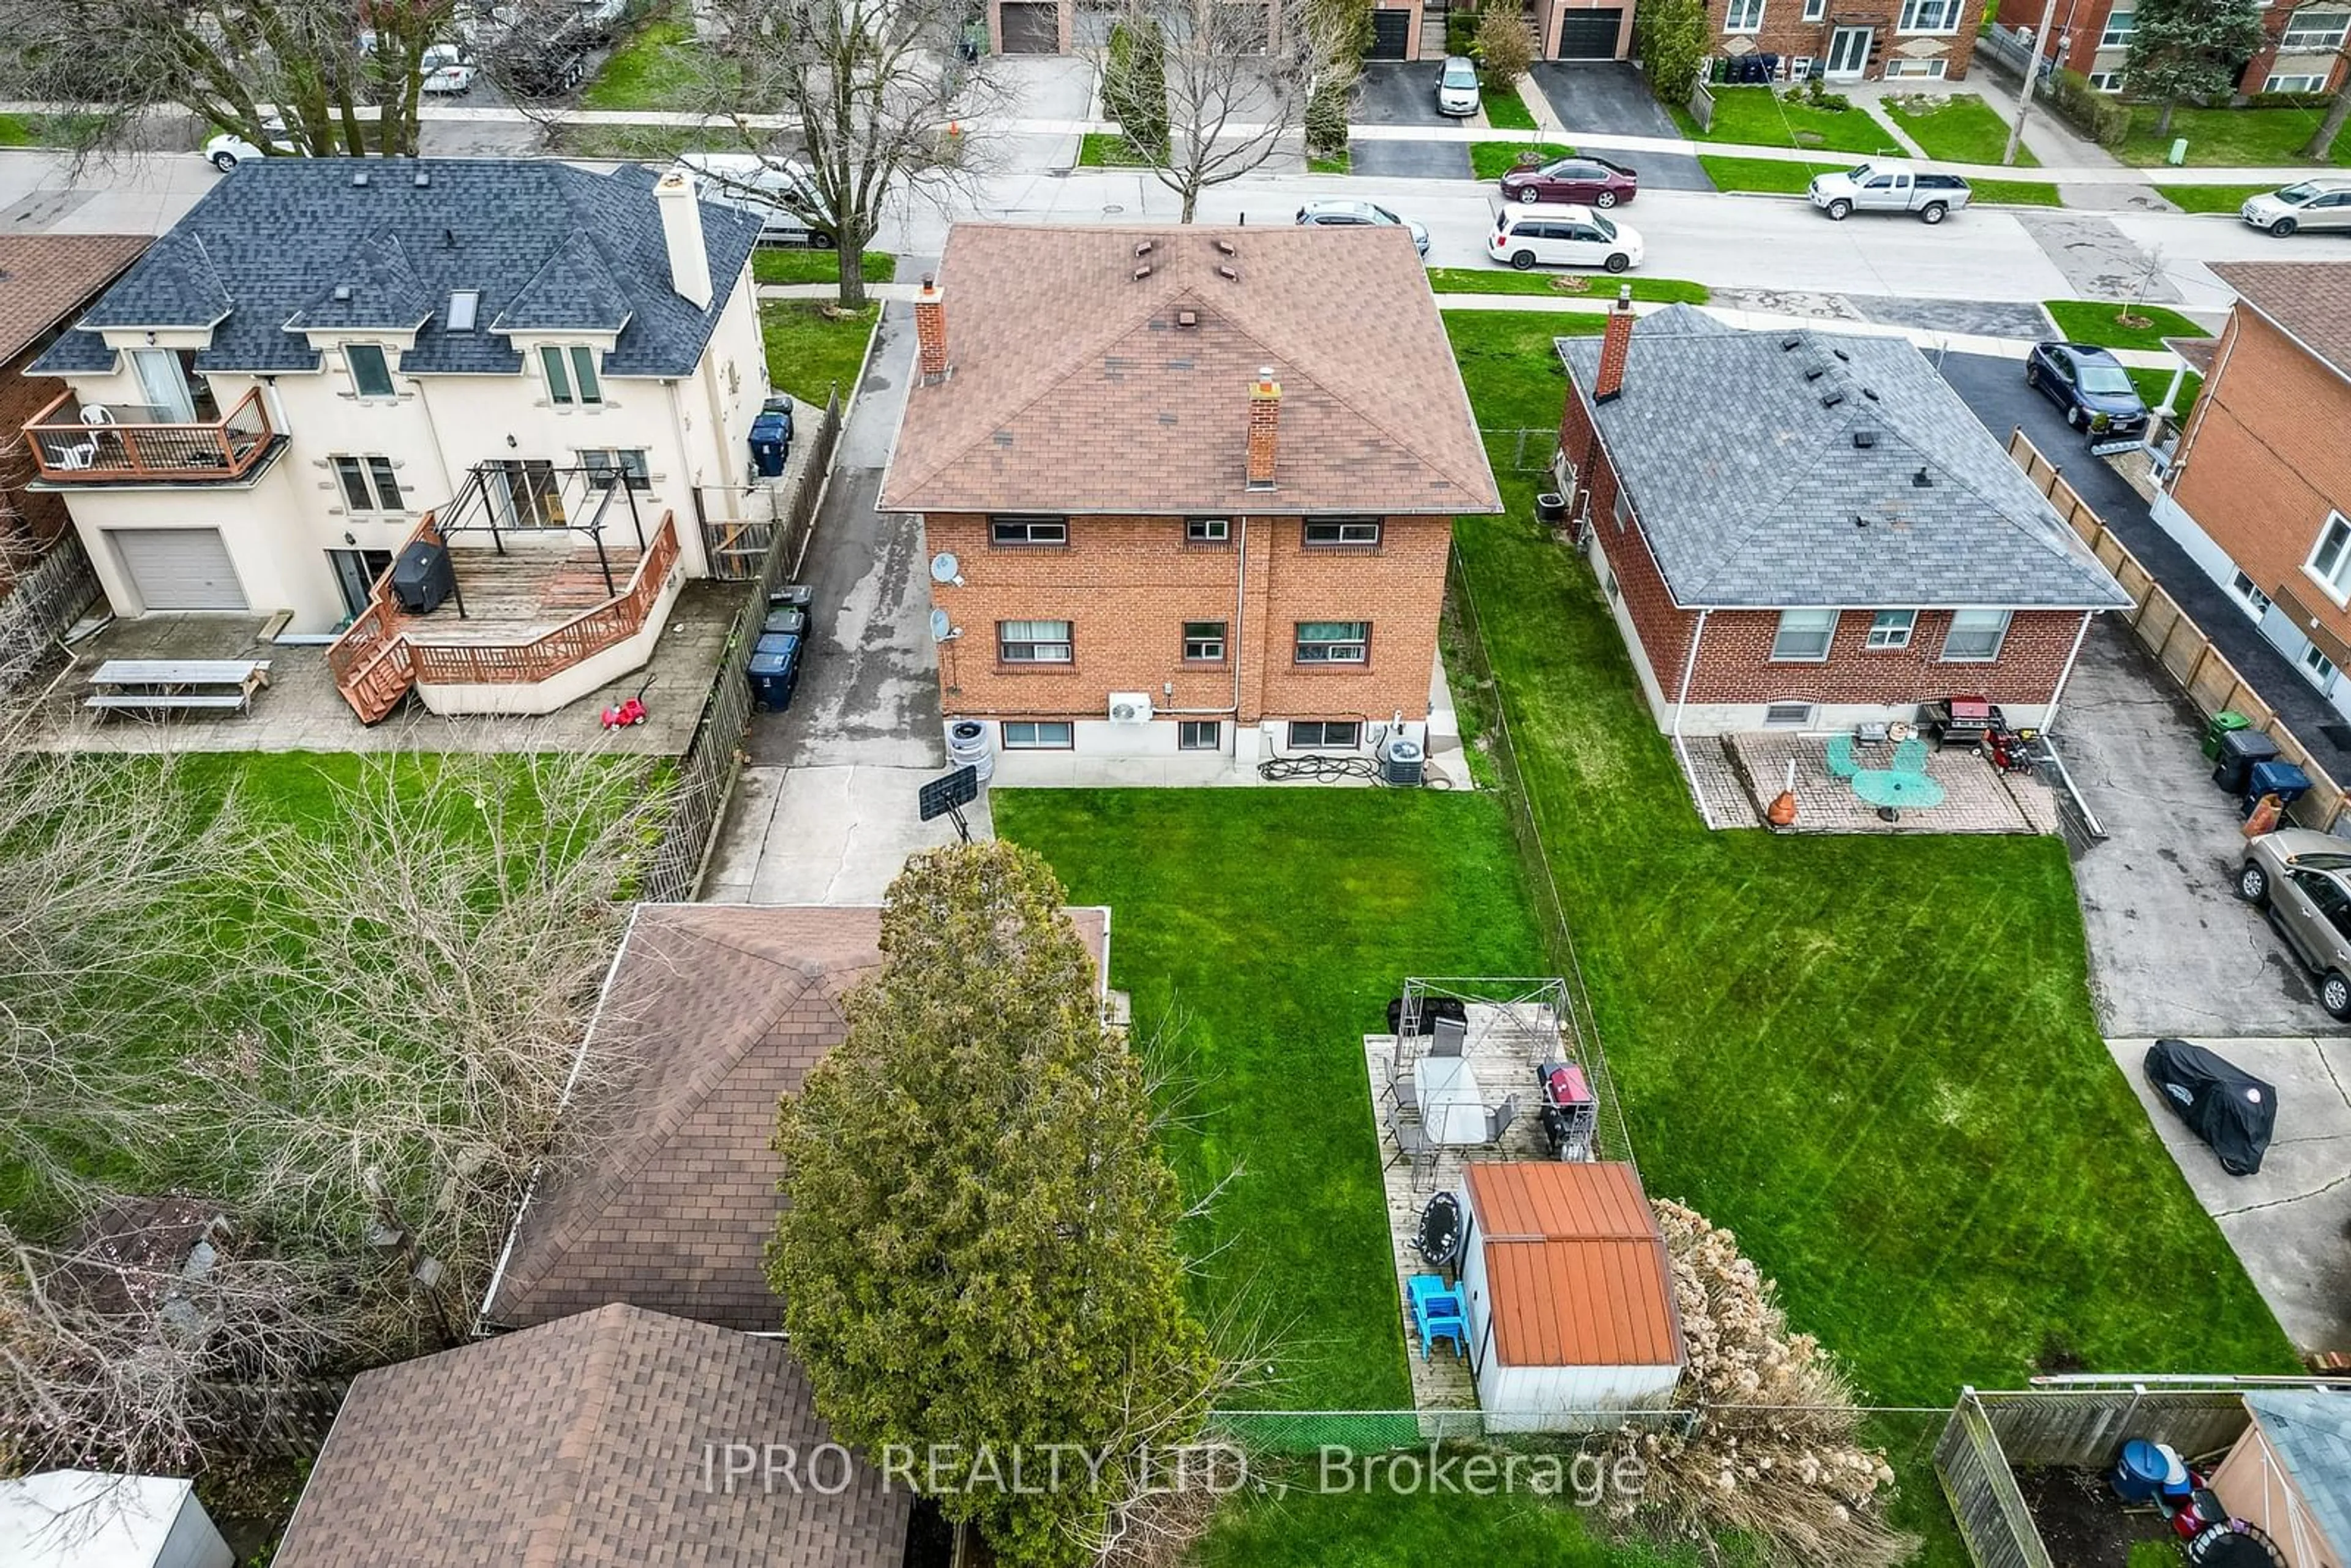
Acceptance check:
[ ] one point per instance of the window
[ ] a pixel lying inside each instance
(2295, 84)
(1804, 635)
(1342, 531)
(1743, 17)
(605, 464)
(1932, 70)
(1815, 11)
(1028, 530)
(1037, 734)
(1616, 589)
(2326, 894)
(2106, 81)
(1207, 530)
(464, 306)
(2246, 590)
(1928, 16)
(1307, 734)
(1890, 629)
(1975, 637)
(1622, 508)
(1033, 641)
(370, 372)
(2312, 30)
(2330, 564)
(1335, 641)
(2321, 667)
(368, 484)
(1204, 641)
(1787, 716)
(1199, 735)
(576, 384)
(2120, 25)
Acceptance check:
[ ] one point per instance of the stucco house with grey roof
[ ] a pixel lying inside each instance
(540, 370)
(1810, 530)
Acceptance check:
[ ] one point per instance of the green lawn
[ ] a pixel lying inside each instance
(1386, 1531)
(1760, 117)
(1492, 160)
(1958, 128)
(1108, 150)
(2015, 193)
(2212, 198)
(2252, 138)
(2094, 322)
(42, 130)
(1506, 111)
(2153, 384)
(1275, 924)
(1338, 165)
(658, 66)
(811, 350)
(1599, 290)
(1770, 176)
(1873, 1057)
(774, 263)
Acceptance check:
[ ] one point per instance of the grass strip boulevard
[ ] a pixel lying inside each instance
(1492, 160)
(2099, 321)
(2212, 198)
(773, 263)
(1781, 177)
(1598, 288)
(1505, 110)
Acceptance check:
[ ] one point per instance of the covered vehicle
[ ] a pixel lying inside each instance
(2229, 1108)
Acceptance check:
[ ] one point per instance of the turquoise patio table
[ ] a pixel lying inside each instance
(1892, 792)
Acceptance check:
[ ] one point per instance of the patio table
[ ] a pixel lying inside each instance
(1891, 792)
(1452, 1107)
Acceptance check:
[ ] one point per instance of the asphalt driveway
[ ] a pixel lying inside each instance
(1410, 160)
(1609, 97)
(1399, 93)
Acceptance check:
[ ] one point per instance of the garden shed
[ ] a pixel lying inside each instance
(1569, 1293)
(81, 1519)
(2289, 1473)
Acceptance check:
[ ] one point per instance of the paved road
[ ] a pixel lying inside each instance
(1609, 96)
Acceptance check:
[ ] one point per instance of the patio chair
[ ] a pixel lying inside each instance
(1412, 1143)
(1841, 762)
(1451, 1035)
(1433, 1329)
(1428, 1293)
(1500, 1117)
(1405, 1091)
(1910, 756)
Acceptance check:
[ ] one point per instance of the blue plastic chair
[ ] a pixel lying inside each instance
(1422, 1289)
(1438, 1328)
(1841, 762)
(1910, 756)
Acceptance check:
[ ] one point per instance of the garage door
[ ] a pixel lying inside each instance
(1589, 35)
(1391, 34)
(179, 569)
(1030, 28)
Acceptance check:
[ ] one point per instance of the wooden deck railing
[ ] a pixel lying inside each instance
(370, 661)
(71, 451)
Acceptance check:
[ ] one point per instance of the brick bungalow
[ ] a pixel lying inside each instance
(1810, 530)
(2259, 493)
(1185, 489)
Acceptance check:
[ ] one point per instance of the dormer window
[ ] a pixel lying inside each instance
(570, 376)
(370, 372)
(464, 306)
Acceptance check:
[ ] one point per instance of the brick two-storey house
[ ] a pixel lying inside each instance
(2302, 52)
(1810, 530)
(2259, 493)
(1185, 489)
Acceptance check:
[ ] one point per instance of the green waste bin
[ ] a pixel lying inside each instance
(2223, 723)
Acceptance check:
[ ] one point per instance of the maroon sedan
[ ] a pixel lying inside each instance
(1587, 181)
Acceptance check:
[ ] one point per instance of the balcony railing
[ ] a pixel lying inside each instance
(98, 443)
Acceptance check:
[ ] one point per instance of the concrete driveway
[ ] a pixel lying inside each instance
(2291, 1220)
(1411, 159)
(1611, 97)
(1399, 93)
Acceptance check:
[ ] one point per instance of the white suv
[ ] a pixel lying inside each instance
(1542, 233)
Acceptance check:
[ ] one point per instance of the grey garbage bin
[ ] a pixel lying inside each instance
(2240, 749)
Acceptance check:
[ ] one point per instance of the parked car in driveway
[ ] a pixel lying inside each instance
(2323, 202)
(1884, 185)
(1591, 182)
(1336, 213)
(1549, 235)
(1457, 85)
(2304, 880)
(2089, 384)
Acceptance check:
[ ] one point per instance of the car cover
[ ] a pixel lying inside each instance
(2226, 1107)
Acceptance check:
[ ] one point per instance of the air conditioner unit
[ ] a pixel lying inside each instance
(1130, 707)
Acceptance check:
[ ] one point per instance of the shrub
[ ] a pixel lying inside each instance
(1674, 38)
(1134, 87)
(1326, 117)
(2102, 118)
(2290, 100)
(1460, 32)
(1506, 47)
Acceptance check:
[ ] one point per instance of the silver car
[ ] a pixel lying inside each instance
(2304, 878)
(1457, 85)
(2323, 202)
(1330, 212)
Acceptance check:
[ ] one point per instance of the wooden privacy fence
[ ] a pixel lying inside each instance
(738, 548)
(2178, 645)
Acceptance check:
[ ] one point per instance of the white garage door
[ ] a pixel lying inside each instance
(179, 569)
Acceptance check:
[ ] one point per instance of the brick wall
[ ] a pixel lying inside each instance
(1128, 584)
(1785, 32)
(1664, 629)
(21, 397)
(2264, 460)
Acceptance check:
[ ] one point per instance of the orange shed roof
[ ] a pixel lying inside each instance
(1577, 1271)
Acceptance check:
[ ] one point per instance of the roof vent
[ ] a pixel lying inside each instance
(1841, 354)
(1143, 272)
(1863, 440)
(1814, 373)
(1860, 521)
(1188, 317)
(1224, 247)
(342, 294)
(1791, 344)
(1143, 247)
(1832, 397)
(448, 239)
(423, 179)
(1228, 274)
(1869, 392)
(359, 177)
(1922, 480)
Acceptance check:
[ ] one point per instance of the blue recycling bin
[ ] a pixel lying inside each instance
(775, 671)
(2283, 779)
(771, 444)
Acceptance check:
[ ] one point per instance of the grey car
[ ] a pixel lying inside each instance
(2323, 202)
(1334, 212)
(2304, 880)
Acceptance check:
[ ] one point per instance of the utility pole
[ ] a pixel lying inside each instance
(2031, 75)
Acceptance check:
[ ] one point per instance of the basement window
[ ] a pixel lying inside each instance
(1788, 716)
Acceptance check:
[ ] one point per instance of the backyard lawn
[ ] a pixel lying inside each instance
(658, 66)
(1563, 285)
(1873, 1057)
(1492, 160)
(774, 264)
(2097, 321)
(1760, 117)
(1958, 128)
(812, 347)
(2252, 138)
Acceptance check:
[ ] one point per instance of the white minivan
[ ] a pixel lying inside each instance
(1555, 234)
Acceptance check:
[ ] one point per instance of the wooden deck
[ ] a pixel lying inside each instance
(521, 595)
(1503, 1046)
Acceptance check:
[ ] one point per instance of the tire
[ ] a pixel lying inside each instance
(2032, 376)
(1840, 209)
(2335, 995)
(2283, 228)
(820, 240)
(1524, 260)
(225, 161)
(2074, 416)
(1620, 262)
(1933, 212)
(1605, 198)
(2254, 883)
(1529, 195)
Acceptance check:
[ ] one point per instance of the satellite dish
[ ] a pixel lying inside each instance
(941, 628)
(945, 568)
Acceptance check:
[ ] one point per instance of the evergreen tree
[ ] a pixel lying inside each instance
(1674, 38)
(2188, 51)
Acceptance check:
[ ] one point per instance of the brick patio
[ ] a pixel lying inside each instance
(1738, 776)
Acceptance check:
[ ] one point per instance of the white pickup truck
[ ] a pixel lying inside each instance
(1886, 186)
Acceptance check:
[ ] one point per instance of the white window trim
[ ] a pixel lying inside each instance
(368, 482)
(2113, 37)
(1730, 10)
(1068, 731)
(2288, 42)
(2340, 596)
(2106, 81)
(2312, 83)
(390, 373)
(1828, 647)
(1999, 644)
(1367, 532)
(1949, 8)
(1067, 642)
(1890, 639)
(1816, 10)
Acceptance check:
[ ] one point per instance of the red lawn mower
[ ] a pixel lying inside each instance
(632, 710)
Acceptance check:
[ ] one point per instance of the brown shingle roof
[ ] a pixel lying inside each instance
(45, 278)
(1575, 1267)
(579, 1444)
(668, 1197)
(1072, 388)
(2311, 300)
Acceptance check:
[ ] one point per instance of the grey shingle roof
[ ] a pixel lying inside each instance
(2309, 1429)
(545, 244)
(1739, 452)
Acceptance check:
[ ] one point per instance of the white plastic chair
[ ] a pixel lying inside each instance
(97, 414)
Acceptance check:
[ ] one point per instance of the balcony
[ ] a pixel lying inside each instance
(99, 443)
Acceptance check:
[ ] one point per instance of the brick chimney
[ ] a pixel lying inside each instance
(681, 217)
(931, 331)
(1264, 428)
(1616, 349)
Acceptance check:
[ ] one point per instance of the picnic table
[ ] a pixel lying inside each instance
(1891, 790)
(154, 686)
